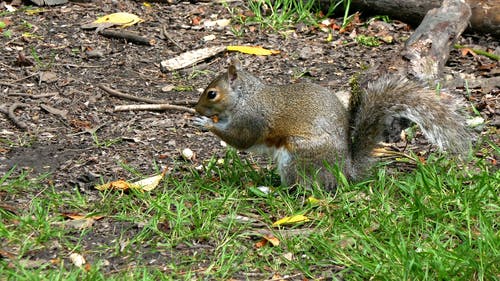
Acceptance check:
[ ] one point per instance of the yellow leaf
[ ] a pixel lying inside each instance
(121, 19)
(148, 184)
(31, 35)
(313, 201)
(35, 11)
(253, 50)
(291, 220)
(146, 4)
(330, 37)
(116, 185)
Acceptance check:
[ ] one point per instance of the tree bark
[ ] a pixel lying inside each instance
(426, 51)
(485, 13)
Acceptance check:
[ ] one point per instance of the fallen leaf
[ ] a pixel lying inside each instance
(253, 50)
(209, 38)
(78, 221)
(10, 8)
(223, 22)
(121, 19)
(77, 259)
(187, 154)
(117, 19)
(465, 51)
(262, 191)
(196, 20)
(277, 277)
(48, 77)
(115, 185)
(4, 23)
(288, 256)
(76, 216)
(474, 122)
(5, 254)
(291, 220)
(261, 243)
(313, 201)
(35, 11)
(273, 240)
(150, 183)
(146, 184)
(220, 23)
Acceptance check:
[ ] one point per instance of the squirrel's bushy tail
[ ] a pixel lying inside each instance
(394, 97)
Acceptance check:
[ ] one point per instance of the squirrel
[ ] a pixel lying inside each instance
(307, 129)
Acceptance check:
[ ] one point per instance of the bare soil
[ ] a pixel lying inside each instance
(79, 140)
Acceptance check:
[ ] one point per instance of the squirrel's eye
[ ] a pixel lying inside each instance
(211, 94)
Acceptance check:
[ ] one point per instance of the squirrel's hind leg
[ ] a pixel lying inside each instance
(312, 165)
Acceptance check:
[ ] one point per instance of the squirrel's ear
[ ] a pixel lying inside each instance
(236, 62)
(232, 72)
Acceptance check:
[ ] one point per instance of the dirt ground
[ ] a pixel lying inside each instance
(53, 68)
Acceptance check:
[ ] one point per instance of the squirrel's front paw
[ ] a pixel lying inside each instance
(203, 122)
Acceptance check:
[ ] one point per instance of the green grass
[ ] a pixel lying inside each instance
(439, 222)
(283, 14)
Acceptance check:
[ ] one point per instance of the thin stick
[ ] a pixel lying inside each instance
(166, 35)
(7, 84)
(33, 96)
(113, 92)
(153, 107)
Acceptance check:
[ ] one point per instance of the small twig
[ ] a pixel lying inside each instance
(166, 35)
(55, 111)
(90, 131)
(284, 277)
(119, 94)
(127, 35)
(153, 107)
(12, 116)
(32, 96)
(77, 66)
(27, 77)
(7, 84)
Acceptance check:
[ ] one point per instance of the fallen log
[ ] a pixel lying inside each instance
(427, 50)
(485, 13)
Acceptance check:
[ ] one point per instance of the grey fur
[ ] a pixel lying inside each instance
(305, 127)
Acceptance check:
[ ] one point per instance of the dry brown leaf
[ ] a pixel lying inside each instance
(465, 51)
(273, 240)
(261, 243)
